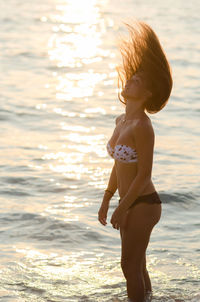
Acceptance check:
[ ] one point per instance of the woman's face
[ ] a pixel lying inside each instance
(135, 88)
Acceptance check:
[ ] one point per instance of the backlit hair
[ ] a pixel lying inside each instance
(142, 52)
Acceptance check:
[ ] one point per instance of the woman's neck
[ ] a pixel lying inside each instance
(133, 110)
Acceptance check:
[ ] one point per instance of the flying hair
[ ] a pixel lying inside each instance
(142, 52)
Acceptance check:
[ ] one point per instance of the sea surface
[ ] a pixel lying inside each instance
(58, 107)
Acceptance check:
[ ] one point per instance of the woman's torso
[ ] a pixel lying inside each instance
(123, 134)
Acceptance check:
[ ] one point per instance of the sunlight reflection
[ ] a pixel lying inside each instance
(83, 26)
(68, 113)
(91, 140)
(78, 29)
(56, 269)
(78, 84)
(62, 156)
(77, 40)
(95, 110)
(76, 128)
(71, 171)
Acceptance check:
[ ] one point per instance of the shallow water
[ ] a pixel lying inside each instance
(58, 109)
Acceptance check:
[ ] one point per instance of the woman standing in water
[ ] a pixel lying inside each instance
(146, 86)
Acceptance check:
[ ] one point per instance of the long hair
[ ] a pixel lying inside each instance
(142, 52)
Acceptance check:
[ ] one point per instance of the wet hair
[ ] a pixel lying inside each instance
(142, 52)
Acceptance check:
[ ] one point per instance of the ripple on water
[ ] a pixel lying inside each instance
(44, 230)
(179, 197)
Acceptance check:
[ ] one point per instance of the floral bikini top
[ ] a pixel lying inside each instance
(122, 153)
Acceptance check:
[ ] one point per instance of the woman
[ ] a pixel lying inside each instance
(146, 86)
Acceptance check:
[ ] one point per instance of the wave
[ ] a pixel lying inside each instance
(180, 198)
(31, 226)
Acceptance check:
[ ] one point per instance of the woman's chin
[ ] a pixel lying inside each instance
(124, 94)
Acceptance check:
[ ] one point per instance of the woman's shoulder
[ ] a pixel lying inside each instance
(143, 127)
(119, 117)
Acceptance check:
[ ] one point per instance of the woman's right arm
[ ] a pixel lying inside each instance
(111, 188)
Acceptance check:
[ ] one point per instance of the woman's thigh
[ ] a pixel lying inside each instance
(136, 229)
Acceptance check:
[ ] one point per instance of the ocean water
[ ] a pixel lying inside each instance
(58, 109)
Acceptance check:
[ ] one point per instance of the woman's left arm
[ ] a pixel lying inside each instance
(144, 138)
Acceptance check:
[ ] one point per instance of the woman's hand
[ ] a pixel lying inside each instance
(117, 217)
(102, 214)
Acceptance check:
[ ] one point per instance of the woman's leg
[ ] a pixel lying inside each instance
(147, 281)
(135, 235)
(134, 244)
(146, 277)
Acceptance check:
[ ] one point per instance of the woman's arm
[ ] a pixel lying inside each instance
(144, 138)
(112, 187)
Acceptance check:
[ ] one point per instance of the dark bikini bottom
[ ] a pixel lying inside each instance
(148, 198)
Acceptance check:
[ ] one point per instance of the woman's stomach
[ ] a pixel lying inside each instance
(126, 174)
